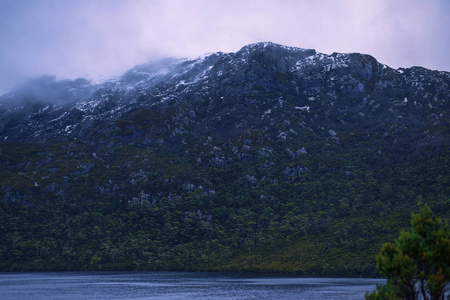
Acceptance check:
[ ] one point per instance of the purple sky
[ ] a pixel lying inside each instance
(90, 38)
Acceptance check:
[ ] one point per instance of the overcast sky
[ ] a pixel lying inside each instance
(78, 38)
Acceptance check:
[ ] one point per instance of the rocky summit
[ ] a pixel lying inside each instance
(272, 158)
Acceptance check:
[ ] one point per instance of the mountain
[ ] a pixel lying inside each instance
(272, 158)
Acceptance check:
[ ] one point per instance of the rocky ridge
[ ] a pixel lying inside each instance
(341, 91)
(313, 138)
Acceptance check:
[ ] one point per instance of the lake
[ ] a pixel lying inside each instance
(177, 285)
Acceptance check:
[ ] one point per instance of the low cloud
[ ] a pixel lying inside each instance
(84, 38)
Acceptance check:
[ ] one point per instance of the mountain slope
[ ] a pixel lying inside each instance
(271, 158)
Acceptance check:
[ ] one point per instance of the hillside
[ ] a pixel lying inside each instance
(272, 158)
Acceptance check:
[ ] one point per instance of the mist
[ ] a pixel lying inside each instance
(103, 38)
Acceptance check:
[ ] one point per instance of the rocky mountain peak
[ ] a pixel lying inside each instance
(279, 57)
(260, 77)
(211, 161)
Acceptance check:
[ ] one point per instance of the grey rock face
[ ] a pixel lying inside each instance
(259, 86)
(250, 107)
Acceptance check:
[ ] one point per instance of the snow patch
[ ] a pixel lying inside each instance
(69, 128)
(267, 112)
(303, 108)
(59, 118)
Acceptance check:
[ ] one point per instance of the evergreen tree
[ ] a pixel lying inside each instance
(417, 265)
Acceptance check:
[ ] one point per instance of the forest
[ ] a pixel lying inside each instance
(325, 219)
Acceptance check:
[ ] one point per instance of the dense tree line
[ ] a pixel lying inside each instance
(324, 219)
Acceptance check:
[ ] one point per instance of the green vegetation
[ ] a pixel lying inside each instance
(133, 207)
(280, 164)
(417, 265)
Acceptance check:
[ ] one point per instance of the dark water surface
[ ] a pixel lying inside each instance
(177, 285)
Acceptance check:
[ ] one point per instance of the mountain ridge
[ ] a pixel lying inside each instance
(230, 161)
(142, 77)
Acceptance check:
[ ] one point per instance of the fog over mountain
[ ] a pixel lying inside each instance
(271, 158)
(99, 39)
